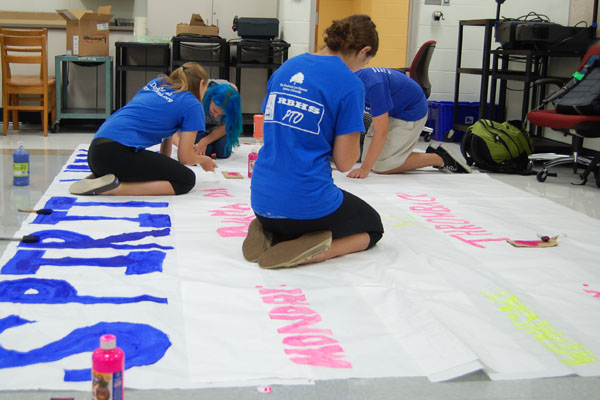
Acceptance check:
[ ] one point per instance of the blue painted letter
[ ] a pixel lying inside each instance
(143, 345)
(28, 262)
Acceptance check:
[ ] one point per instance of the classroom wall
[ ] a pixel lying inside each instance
(163, 18)
(121, 8)
(297, 24)
(422, 27)
(445, 32)
(79, 94)
(582, 10)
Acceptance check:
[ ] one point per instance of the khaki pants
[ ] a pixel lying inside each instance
(402, 138)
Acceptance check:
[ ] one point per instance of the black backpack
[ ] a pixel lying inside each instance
(498, 147)
(584, 97)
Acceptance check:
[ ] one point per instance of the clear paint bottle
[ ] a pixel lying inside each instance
(20, 166)
(108, 366)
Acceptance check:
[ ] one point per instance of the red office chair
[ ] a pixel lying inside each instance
(419, 68)
(419, 71)
(578, 126)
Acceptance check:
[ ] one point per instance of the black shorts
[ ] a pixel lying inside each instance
(353, 216)
(106, 156)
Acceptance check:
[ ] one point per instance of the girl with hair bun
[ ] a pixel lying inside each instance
(117, 156)
(313, 114)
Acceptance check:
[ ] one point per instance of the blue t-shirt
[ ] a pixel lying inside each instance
(154, 114)
(394, 92)
(310, 100)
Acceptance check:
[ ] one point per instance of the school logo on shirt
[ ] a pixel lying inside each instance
(297, 78)
(381, 69)
(160, 91)
(294, 111)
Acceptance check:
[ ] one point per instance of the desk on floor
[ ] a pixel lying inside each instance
(101, 111)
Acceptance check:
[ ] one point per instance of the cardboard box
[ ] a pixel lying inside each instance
(87, 31)
(198, 27)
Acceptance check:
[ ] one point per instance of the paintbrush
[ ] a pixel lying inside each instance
(43, 211)
(24, 239)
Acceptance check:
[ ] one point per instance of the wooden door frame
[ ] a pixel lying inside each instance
(317, 27)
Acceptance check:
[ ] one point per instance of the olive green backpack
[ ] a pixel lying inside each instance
(498, 146)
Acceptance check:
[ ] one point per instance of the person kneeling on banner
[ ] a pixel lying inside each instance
(223, 110)
(118, 155)
(399, 111)
(313, 113)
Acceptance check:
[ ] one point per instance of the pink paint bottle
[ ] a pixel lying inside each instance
(108, 366)
(258, 135)
(252, 157)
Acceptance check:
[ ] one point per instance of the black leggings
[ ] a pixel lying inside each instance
(353, 216)
(106, 156)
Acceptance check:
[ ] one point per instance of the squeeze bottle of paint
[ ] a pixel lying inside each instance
(108, 365)
(258, 135)
(20, 166)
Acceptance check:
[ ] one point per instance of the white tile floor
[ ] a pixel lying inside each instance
(48, 154)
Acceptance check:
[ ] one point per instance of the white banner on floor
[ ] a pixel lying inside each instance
(441, 295)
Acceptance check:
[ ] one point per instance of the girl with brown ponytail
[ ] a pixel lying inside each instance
(117, 156)
(313, 114)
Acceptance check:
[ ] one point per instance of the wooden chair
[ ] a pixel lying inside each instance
(26, 47)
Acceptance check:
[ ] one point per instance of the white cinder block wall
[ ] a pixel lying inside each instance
(445, 32)
(297, 21)
(293, 20)
(298, 29)
(296, 24)
(163, 18)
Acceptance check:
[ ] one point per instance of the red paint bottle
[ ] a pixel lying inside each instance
(108, 366)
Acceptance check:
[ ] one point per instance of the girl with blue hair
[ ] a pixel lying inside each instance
(223, 110)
